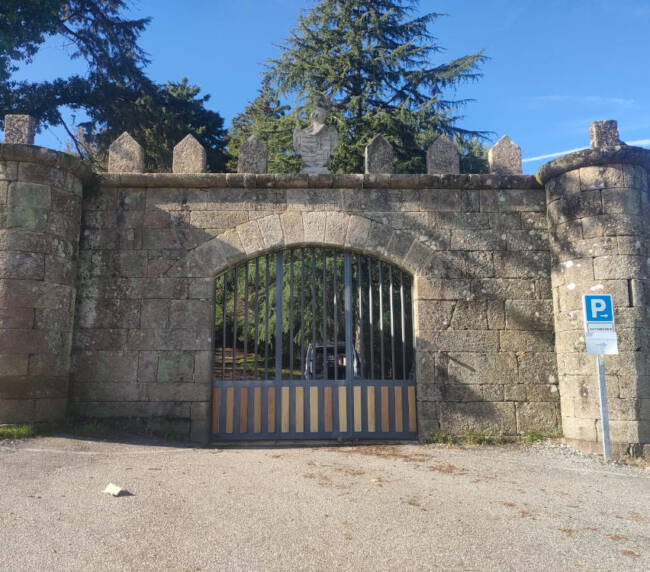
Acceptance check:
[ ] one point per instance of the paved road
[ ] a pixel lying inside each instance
(348, 508)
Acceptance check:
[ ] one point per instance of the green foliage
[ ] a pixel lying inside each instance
(440, 438)
(534, 436)
(18, 431)
(485, 437)
(375, 61)
(115, 93)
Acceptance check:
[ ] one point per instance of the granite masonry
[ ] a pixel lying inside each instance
(107, 280)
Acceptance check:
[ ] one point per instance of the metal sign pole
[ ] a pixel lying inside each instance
(604, 414)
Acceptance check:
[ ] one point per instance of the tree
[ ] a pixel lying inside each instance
(115, 93)
(374, 59)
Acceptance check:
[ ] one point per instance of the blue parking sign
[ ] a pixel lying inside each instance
(599, 308)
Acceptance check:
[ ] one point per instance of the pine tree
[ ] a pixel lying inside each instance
(374, 59)
(115, 94)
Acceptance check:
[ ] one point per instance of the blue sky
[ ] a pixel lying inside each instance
(554, 67)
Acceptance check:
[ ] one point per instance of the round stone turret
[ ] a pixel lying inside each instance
(598, 216)
(40, 210)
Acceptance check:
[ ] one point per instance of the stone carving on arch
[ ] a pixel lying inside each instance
(295, 228)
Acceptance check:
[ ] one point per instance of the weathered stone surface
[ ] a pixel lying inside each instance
(443, 156)
(504, 157)
(19, 129)
(125, 155)
(189, 156)
(253, 156)
(379, 156)
(457, 418)
(604, 134)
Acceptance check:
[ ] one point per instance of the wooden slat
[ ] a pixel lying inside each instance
(216, 409)
(257, 410)
(399, 413)
(270, 420)
(413, 425)
(357, 408)
(284, 392)
(372, 422)
(313, 409)
(385, 411)
(230, 409)
(327, 408)
(343, 409)
(243, 410)
(300, 409)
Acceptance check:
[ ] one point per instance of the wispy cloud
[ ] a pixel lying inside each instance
(584, 100)
(637, 143)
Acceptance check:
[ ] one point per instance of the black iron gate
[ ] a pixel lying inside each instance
(313, 343)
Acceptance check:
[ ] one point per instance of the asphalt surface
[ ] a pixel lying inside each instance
(317, 508)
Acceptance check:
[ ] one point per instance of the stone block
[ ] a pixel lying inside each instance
(521, 341)
(105, 366)
(252, 156)
(154, 313)
(189, 156)
(537, 367)
(495, 312)
(529, 314)
(190, 313)
(379, 156)
(542, 417)
(469, 315)
(478, 240)
(417, 258)
(336, 228)
(358, 231)
(542, 392)
(623, 201)
(292, 227)
(14, 364)
(125, 155)
(522, 265)
(443, 156)
(481, 367)
(398, 246)
(250, 237)
(99, 339)
(21, 265)
(314, 226)
(433, 314)
(147, 366)
(175, 366)
(604, 134)
(19, 129)
(463, 340)
(512, 200)
(426, 288)
(620, 267)
(514, 393)
(15, 317)
(271, 230)
(504, 157)
(458, 418)
(504, 289)
(203, 364)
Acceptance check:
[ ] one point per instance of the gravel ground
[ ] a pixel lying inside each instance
(317, 508)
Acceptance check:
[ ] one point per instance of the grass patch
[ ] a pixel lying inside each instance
(485, 437)
(24, 431)
(439, 437)
(534, 436)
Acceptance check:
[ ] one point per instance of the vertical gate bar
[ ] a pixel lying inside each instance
(370, 313)
(324, 324)
(279, 276)
(302, 313)
(291, 277)
(381, 323)
(403, 322)
(336, 321)
(392, 321)
(266, 318)
(234, 319)
(347, 307)
(362, 357)
(313, 312)
(223, 333)
(245, 321)
(349, 354)
(257, 313)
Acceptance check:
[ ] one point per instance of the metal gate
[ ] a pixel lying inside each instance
(313, 343)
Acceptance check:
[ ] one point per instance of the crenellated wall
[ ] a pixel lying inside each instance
(495, 316)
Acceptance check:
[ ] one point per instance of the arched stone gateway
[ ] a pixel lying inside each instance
(107, 284)
(313, 343)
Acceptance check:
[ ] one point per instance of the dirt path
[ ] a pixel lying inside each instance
(350, 508)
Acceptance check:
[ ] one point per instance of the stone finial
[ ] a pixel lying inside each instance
(443, 156)
(125, 155)
(504, 157)
(189, 156)
(253, 156)
(379, 156)
(19, 129)
(604, 134)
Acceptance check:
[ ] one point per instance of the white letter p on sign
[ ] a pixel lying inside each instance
(597, 306)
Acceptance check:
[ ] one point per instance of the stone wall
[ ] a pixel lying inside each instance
(40, 205)
(476, 244)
